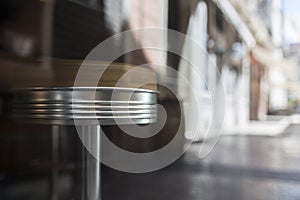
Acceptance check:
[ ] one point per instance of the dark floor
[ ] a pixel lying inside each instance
(238, 168)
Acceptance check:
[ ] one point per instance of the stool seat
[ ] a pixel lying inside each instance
(61, 105)
(114, 100)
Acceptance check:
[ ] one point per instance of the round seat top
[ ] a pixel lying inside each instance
(63, 73)
(124, 94)
(63, 105)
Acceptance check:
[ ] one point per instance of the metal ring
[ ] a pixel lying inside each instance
(61, 105)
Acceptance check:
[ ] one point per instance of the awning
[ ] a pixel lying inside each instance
(268, 59)
(234, 18)
(253, 22)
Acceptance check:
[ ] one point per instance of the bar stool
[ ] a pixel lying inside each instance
(60, 106)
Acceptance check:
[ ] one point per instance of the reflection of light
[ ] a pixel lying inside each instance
(113, 15)
(237, 53)
(276, 77)
(278, 94)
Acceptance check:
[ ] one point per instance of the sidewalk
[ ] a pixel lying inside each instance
(240, 167)
(271, 126)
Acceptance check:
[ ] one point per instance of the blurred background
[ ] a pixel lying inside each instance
(255, 45)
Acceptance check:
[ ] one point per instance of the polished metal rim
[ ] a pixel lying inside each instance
(83, 104)
(84, 89)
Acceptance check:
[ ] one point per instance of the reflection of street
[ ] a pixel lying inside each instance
(240, 167)
(224, 72)
(267, 156)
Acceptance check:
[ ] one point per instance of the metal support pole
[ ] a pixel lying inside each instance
(84, 167)
(92, 166)
(58, 112)
(55, 161)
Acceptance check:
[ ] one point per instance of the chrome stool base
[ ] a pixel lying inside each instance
(88, 107)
